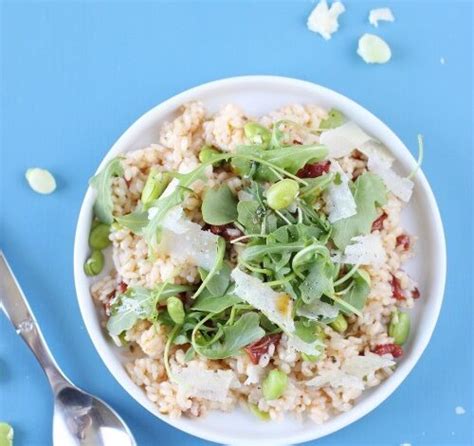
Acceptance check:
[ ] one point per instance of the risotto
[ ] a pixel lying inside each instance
(257, 261)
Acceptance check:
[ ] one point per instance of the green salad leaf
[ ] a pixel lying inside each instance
(217, 285)
(135, 221)
(318, 281)
(139, 303)
(357, 294)
(335, 119)
(213, 303)
(102, 183)
(219, 206)
(250, 215)
(369, 193)
(232, 338)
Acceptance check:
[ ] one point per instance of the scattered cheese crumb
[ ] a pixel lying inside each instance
(40, 180)
(380, 14)
(460, 410)
(442, 61)
(324, 20)
(263, 298)
(405, 444)
(365, 250)
(373, 49)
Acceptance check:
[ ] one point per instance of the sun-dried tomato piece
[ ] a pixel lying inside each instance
(260, 347)
(122, 287)
(415, 293)
(228, 232)
(382, 349)
(403, 240)
(314, 170)
(397, 291)
(377, 225)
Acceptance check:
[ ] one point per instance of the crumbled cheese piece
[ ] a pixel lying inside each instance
(276, 306)
(373, 49)
(365, 250)
(324, 20)
(361, 366)
(380, 14)
(442, 61)
(254, 374)
(185, 241)
(40, 180)
(401, 187)
(336, 378)
(460, 410)
(310, 348)
(211, 385)
(339, 198)
(317, 309)
(342, 140)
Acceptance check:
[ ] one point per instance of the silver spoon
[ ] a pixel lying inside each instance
(79, 418)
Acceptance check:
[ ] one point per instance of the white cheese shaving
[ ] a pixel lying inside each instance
(336, 378)
(185, 241)
(352, 372)
(365, 250)
(40, 180)
(342, 140)
(310, 348)
(339, 198)
(380, 15)
(373, 49)
(276, 306)
(211, 385)
(324, 20)
(361, 366)
(460, 410)
(318, 309)
(399, 186)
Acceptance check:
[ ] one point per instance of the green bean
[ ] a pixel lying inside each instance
(399, 327)
(257, 134)
(95, 263)
(339, 324)
(281, 194)
(207, 153)
(274, 385)
(175, 309)
(155, 185)
(99, 236)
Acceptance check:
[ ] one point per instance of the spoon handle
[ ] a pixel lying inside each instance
(14, 304)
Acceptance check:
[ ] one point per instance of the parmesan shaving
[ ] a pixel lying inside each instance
(373, 49)
(399, 186)
(361, 366)
(324, 20)
(201, 383)
(317, 310)
(185, 241)
(342, 140)
(264, 298)
(380, 15)
(365, 250)
(41, 180)
(336, 378)
(339, 198)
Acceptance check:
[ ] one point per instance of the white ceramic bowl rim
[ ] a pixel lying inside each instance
(362, 407)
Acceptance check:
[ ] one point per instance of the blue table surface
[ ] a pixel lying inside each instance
(76, 75)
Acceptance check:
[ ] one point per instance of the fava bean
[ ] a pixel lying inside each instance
(280, 195)
(399, 327)
(175, 309)
(94, 264)
(99, 236)
(274, 385)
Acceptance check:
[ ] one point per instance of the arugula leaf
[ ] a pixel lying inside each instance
(215, 304)
(318, 310)
(318, 281)
(135, 221)
(335, 119)
(139, 303)
(369, 193)
(219, 206)
(256, 252)
(217, 284)
(250, 215)
(315, 187)
(357, 294)
(307, 331)
(233, 338)
(102, 183)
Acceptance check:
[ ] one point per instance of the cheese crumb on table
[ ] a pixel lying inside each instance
(380, 15)
(324, 20)
(373, 49)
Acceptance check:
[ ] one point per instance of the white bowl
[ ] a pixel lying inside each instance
(258, 95)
